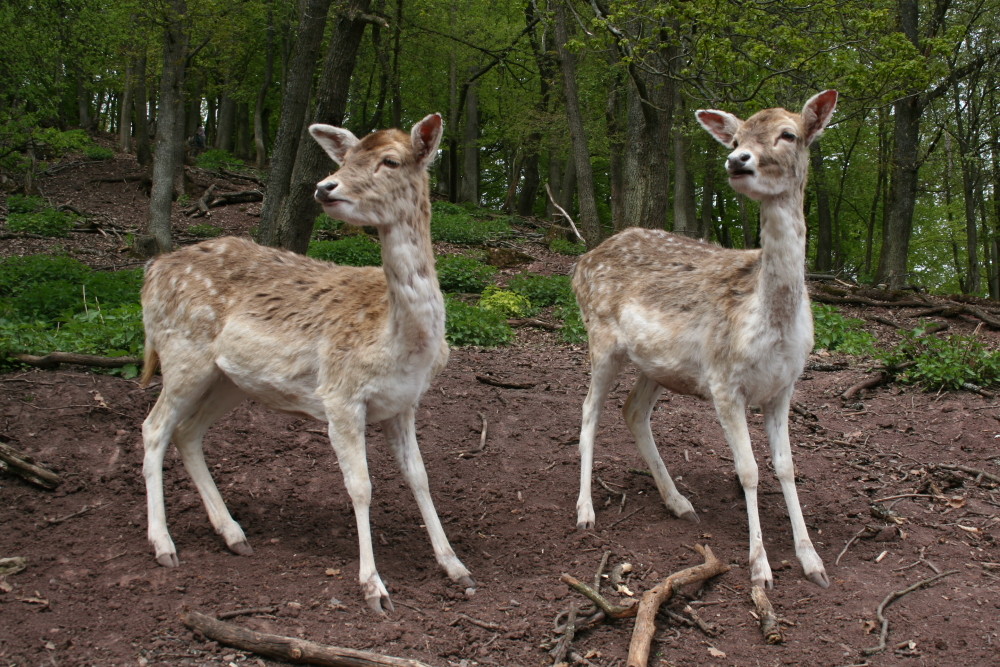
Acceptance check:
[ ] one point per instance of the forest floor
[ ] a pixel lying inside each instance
(879, 479)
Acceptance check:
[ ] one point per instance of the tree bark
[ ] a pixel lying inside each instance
(260, 111)
(824, 227)
(468, 190)
(294, 103)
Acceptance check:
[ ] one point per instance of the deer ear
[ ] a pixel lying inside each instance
(336, 141)
(425, 137)
(721, 125)
(817, 112)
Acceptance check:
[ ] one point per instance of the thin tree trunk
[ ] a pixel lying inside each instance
(225, 130)
(125, 110)
(824, 231)
(469, 184)
(259, 110)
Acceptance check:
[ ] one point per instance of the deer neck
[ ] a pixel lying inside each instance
(783, 247)
(416, 305)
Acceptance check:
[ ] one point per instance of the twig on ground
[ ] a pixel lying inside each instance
(561, 649)
(972, 471)
(892, 597)
(485, 379)
(468, 454)
(766, 617)
(289, 649)
(22, 465)
(246, 612)
(849, 543)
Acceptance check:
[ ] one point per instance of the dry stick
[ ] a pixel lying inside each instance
(645, 622)
(468, 454)
(972, 471)
(892, 597)
(849, 543)
(610, 609)
(53, 359)
(561, 649)
(768, 619)
(548, 191)
(26, 467)
(290, 649)
(485, 379)
(252, 611)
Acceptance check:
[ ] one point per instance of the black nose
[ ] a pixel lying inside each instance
(325, 189)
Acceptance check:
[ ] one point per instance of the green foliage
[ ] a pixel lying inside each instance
(458, 273)
(17, 273)
(205, 231)
(833, 331)
(466, 324)
(451, 223)
(564, 247)
(95, 152)
(505, 302)
(573, 329)
(358, 250)
(324, 224)
(25, 204)
(46, 222)
(215, 159)
(54, 142)
(942, 363)
(542, 290)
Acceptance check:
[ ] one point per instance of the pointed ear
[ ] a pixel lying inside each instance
(336, 141)
(721, 125)
(425, 137)
(817, 112)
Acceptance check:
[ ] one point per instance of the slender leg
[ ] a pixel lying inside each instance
(347, 435)
(401, 434)
(776, 424)
(603, 368)
(182, 390)
(732, 417)
(638, 410)
(220, 399)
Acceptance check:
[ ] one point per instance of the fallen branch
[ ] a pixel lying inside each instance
(566, 215)
(892, 597)
(645, 622)
(534, 322)
(469, 453)
(53, 359)
(290, 649)
(485, 379)
(967, 469)
(27, 468)
(766, 617)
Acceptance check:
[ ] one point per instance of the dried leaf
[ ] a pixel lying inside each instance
(716, 653)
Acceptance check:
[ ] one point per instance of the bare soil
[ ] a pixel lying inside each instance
(884, 510)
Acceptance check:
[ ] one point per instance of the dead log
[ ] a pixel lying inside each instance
(645, 620)
(26, 467)
(534, 322)
(766, 617)
(290, 649)
(53, 359)
(200, 207)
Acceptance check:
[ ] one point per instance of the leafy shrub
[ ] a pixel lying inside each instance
(942, 363)
(95, 152)
(56, 142)
(24, 204)
(215, 159)
(325, 223)
(564, 247)
(351, 251)
(458, 273)
(17, 273)
(205, 231)
(112, 288)
(466, 324)
(451, 223)
(573, 329)
(505, 302)
(833, 331)
(542, 290)
(46, 222)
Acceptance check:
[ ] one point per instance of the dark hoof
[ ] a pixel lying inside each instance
(168, 560)
(241, 548)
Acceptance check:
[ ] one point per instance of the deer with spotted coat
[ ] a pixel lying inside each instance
(228, 319)
(731, 326)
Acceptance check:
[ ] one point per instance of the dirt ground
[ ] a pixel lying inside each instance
(886, 507)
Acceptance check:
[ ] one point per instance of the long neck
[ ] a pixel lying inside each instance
(416, 306)
(783, 248)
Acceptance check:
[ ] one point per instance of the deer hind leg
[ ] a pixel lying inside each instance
(732, 417)
(221, 397)
(401, 433)
(776, 424)
(183, 389)
(637, 411)
(604, 366)
(346, 428)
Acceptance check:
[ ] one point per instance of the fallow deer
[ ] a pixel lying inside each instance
(228, 319)
(732, 326)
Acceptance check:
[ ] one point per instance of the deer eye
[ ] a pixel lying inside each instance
(389, 162)
(788, 136)
(736, 144)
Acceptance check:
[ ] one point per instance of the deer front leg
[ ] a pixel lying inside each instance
(401, 433)
(776, 424)
(732, 417)
(604, 367)
(347, 435)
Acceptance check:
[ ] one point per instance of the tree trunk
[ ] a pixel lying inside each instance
(469, 184)
(225, 129)
(898, 227)
(824, 224)
(143, 149)
(259, 110)
(125, 110)
(169, 130)
(590, 225)
(295, 221)
(294, 103)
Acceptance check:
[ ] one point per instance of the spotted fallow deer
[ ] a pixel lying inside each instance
(228, 319)
(732, 326)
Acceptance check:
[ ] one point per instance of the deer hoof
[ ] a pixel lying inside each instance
(689, 516)
(819, 578)
(168, 560)
(241, 548)
(585, 525)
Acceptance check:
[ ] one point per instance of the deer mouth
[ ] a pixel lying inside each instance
(739, 173)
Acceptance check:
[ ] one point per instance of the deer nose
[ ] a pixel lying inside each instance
(324, 190)
(739, 159)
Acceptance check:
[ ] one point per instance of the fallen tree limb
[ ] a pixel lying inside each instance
(649, 604)
(892, 597)
(766, 617)
(290, 649)
(975, 472)
(534, 322)
(486, 379)
(27, 468)
(53, 359)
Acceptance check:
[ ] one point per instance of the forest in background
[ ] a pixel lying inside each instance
(592, 99)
